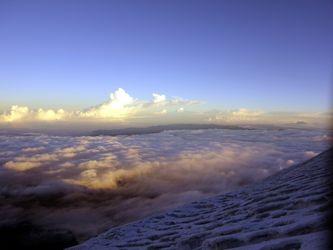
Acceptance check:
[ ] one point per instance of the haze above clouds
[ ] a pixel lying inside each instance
(121, 109)
(87, 184)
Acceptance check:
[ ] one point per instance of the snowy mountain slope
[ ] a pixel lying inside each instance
(285, 211)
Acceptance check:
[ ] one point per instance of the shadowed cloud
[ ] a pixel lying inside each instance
(87, 184)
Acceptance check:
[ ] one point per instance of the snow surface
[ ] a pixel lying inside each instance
(285, 211)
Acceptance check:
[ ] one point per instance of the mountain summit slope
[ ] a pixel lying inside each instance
(285, 211)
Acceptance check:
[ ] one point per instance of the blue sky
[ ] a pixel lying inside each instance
(269, 55)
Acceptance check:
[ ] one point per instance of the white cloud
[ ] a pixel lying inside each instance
(15, 113)
(157, 98)
(119, 105)
(123, 109)
(50, 114)
(23, 113)
(243, 112)
(120, 98)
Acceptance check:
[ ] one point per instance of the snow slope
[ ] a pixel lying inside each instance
(285, 211)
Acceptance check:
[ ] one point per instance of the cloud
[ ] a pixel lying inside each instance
(120, 107)
(33, 149)
(88, 184)
(238, 115)
(158, 98)
(22, 165)
(50, 115)
(246, 116)
(16, 113)
(22, 113)
(290, 163)
(245, 113)
(310, 154)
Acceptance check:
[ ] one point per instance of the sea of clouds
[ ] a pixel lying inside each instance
(88, 184)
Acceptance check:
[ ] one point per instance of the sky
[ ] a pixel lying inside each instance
(253, 57)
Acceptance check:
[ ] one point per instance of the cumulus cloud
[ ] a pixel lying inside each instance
(158, 98)
(87, 184)
(121, 109)
(16, 113)
(120, 106)
(22, 113)
(50, 114)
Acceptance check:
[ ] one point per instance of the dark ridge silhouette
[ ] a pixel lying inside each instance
(161, 128)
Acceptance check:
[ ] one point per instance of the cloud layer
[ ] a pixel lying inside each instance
(87, 184)
(121, 109)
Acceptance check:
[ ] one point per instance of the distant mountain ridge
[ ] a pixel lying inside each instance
(161, 128)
